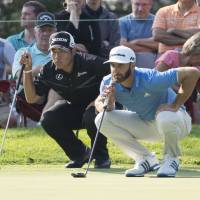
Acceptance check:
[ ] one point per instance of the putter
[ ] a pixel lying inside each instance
(12, 105)
(83, 175)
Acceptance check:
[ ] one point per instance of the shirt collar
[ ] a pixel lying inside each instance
(38, 51)
(194, 9)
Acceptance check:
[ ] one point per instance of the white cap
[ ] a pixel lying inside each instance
(121, 54)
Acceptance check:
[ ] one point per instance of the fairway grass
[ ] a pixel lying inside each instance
(55, 183)
(32, 146)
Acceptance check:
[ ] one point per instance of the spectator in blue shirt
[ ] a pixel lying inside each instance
(45, 26)
(29, 12)
(136, 33)
(153, 110)
(7, 53)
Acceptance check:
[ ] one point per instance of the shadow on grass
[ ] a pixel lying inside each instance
(183, 172)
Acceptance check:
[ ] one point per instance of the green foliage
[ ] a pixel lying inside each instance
(25, 146)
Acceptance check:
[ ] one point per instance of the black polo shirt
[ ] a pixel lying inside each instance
(79, 87)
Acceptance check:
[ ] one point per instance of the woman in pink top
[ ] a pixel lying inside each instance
(188, 56)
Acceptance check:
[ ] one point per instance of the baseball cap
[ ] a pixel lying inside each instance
(45, 19)
(121, 54)
(62, 39)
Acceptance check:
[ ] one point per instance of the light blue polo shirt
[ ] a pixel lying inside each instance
(18, 41)
(38, 58)
(132, 28)
(150, 89)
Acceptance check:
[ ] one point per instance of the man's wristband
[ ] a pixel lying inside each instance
(29, 71)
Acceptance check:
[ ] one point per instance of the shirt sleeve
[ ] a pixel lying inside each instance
(9, 53)
(104, 83)
(123, 28)
(160, 19)
(159, 81)
(40, 82)
(16, 66)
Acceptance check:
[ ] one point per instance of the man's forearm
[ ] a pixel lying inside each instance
(147, 43)
(185, 34)
(140, 46)
(167, 38)
(188, 82)
(29, 88)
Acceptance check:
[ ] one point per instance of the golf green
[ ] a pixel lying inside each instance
(56, 183)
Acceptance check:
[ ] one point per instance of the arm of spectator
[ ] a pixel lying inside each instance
(72, 8)
(29, 87)
(183, 33)
(161, 35)
(141, 45)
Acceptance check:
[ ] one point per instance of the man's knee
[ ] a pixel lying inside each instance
(89, 117)
(166, 119)
(47, 119)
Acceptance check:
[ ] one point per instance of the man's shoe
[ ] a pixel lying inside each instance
(79, 163)
(147, 164)
(100, 164)
(169, 168)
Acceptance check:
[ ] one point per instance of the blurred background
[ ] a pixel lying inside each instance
(10, 11)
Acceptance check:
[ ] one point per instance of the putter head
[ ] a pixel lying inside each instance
(78, 175)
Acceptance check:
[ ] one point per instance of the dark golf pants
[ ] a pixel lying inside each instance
(60, 121)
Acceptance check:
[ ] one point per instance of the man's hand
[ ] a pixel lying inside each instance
(27, 61)
(90, 105)
(75, 10)
(166, 107)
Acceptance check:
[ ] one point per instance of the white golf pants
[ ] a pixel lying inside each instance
(125, 128)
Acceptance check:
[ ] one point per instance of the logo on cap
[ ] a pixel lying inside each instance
(45, 18)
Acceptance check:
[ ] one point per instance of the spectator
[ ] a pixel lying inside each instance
(86, 33)
(153, 112)
(109, 27)
(136, 33)
(30, 10)
(174, 24)
(90, 26)
(44, 27)
(76, 79)
(7, 53)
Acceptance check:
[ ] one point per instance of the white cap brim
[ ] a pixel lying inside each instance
(114, 60)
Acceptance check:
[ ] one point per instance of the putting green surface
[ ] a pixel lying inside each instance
(56, 183)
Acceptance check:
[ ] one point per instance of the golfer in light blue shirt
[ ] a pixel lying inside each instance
(153, 111)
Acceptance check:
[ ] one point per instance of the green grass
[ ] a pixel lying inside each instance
(25, 146)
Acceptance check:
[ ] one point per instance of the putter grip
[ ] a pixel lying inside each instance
(105, 103)
(20, 77)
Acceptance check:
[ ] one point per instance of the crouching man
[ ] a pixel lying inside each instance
(153, 111)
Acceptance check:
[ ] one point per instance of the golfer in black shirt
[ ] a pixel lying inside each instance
(76, 78)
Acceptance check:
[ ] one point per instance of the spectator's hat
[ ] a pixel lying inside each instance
(121, 54)
(62, 40)
(46, 19)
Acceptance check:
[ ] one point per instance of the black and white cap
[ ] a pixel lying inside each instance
(121, 54)
(45, 19)
(62, 40)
